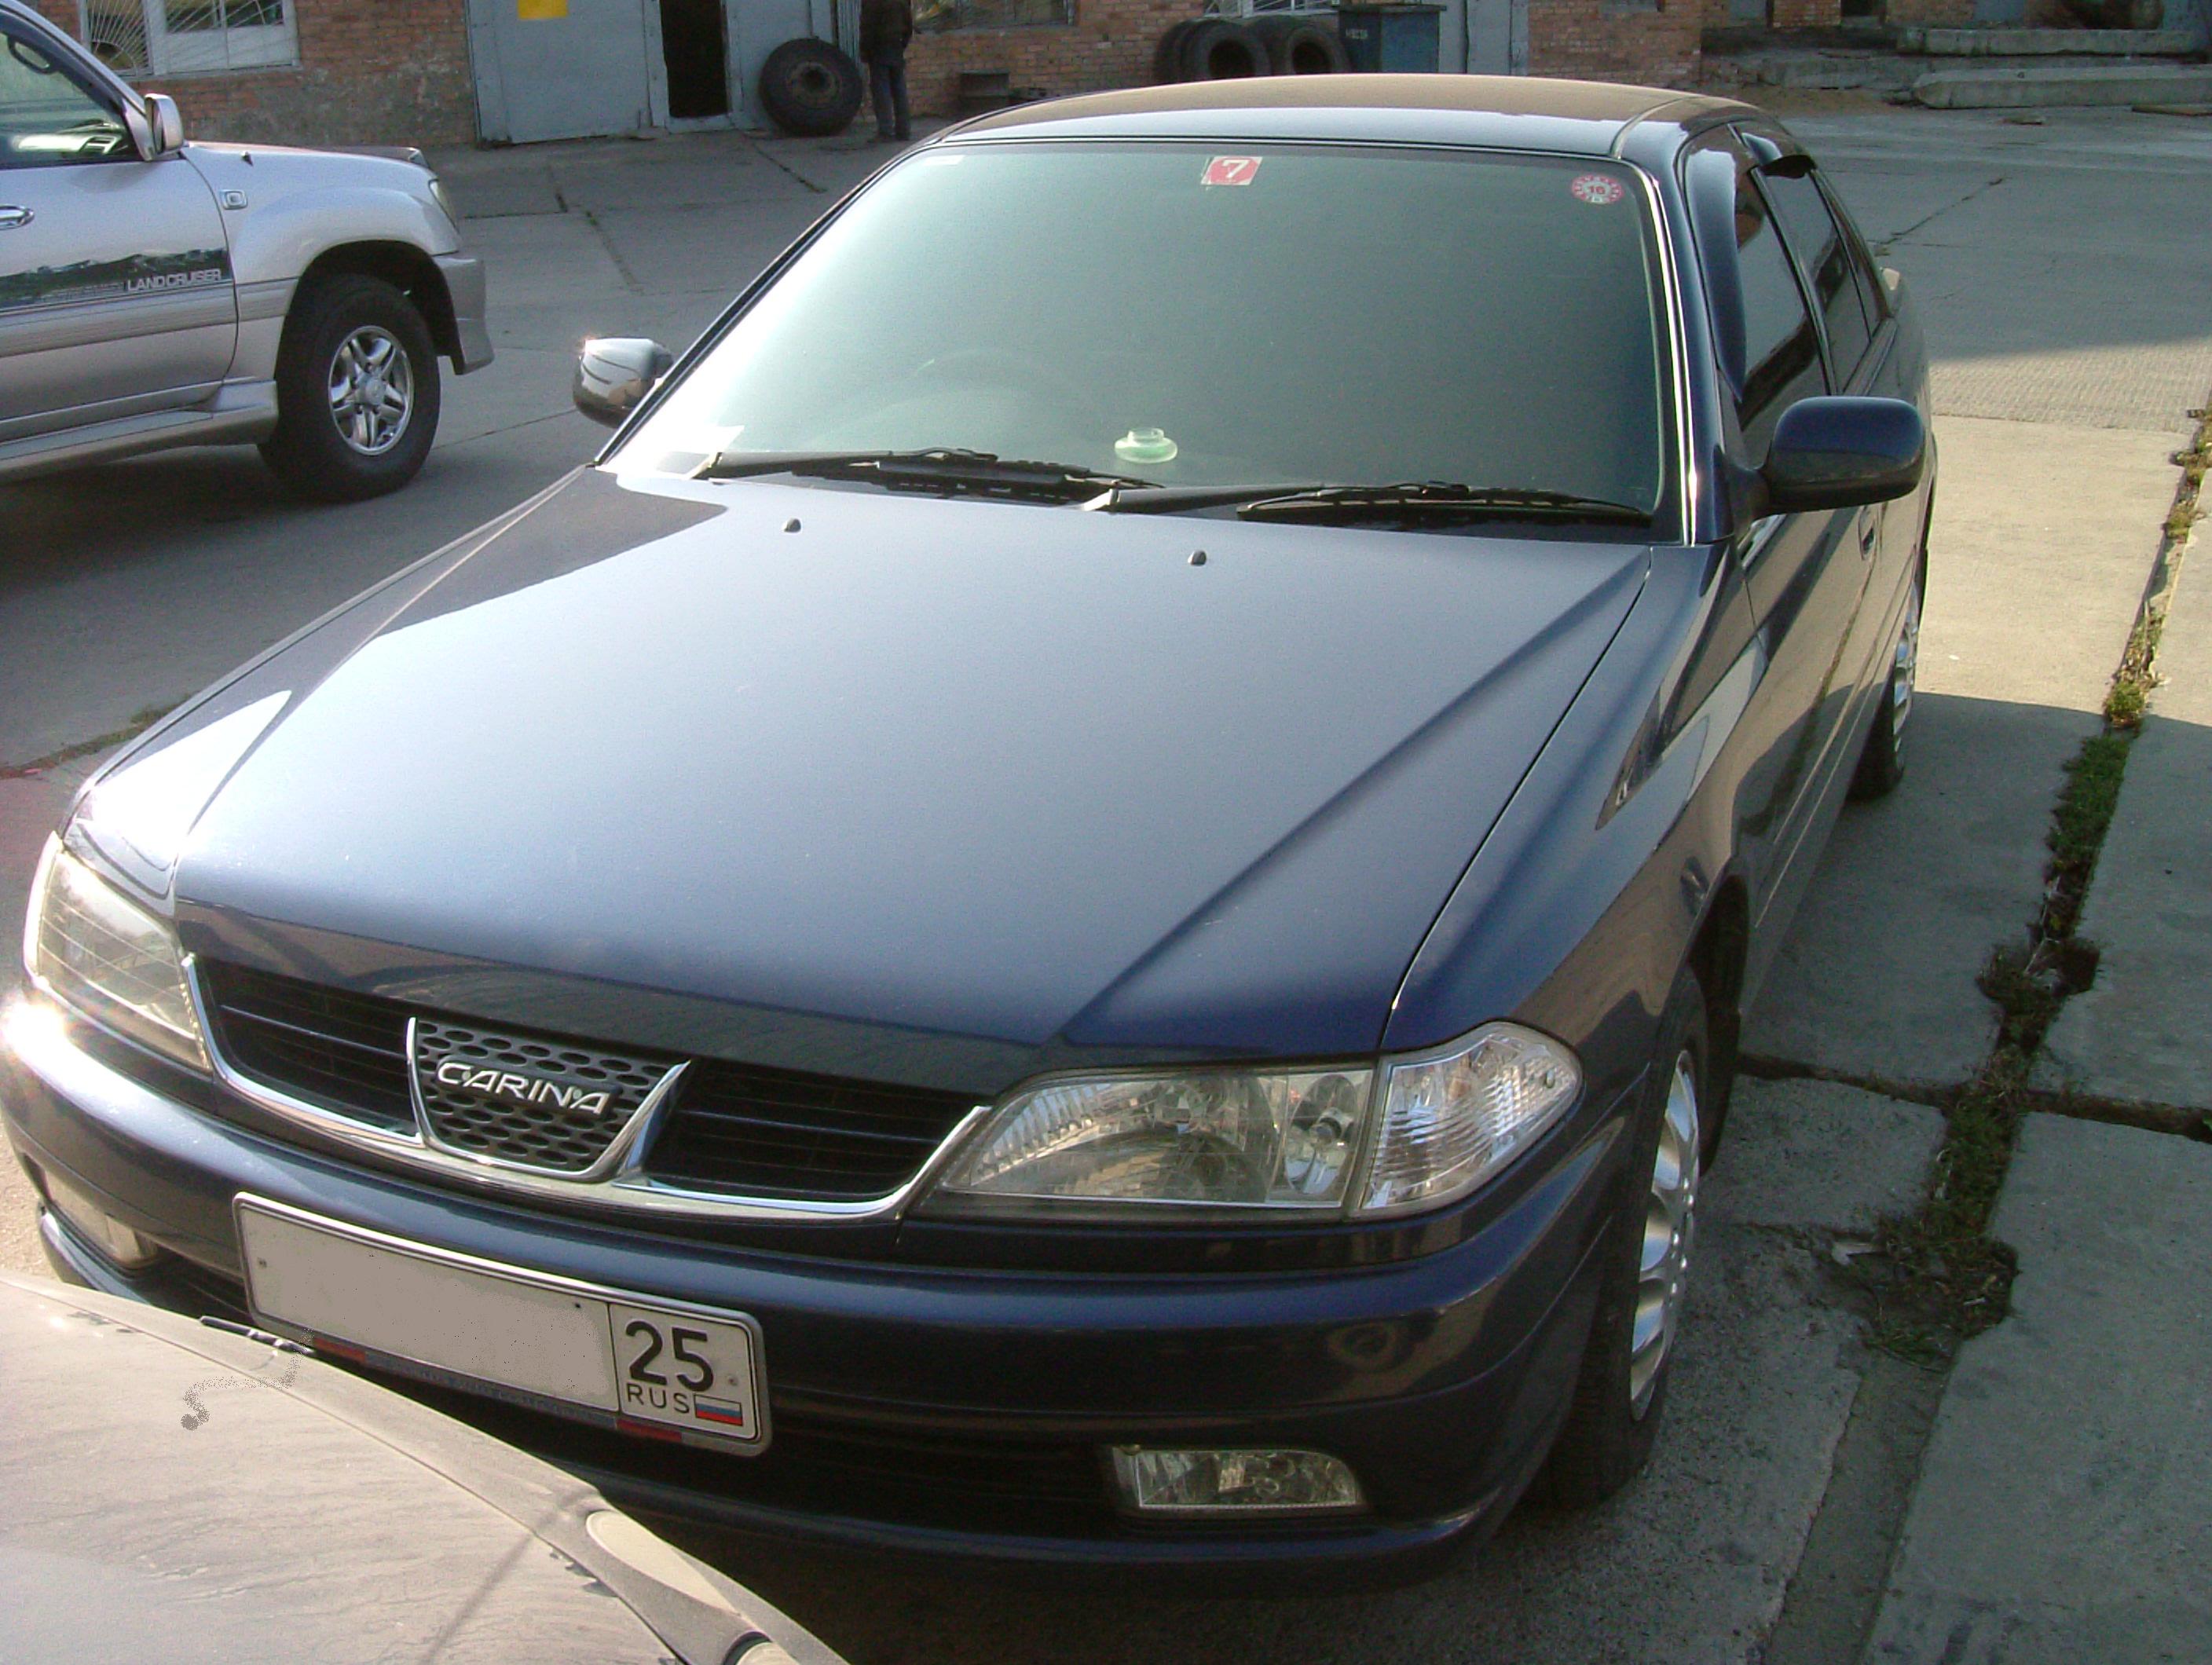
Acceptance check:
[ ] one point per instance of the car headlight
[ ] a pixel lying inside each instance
(1277, 1140)
(85, 944)
(1247, 1139)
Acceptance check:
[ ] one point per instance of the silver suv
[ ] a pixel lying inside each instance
(154, 293)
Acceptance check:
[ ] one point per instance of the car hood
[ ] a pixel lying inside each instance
(1019, 786)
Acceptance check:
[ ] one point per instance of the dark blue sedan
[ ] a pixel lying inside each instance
(1090, 901)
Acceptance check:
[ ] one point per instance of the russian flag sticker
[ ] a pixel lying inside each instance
(719, 1411)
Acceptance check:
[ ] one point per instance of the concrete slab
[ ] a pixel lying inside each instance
(2142, 1033)
(2060, 1516)
(2033, 88)
(2043, 540)
(2029, 42)
(1689, 1565)
(1813, 1156)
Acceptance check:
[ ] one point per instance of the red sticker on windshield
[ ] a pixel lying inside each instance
(1231, 170)
(1601, 189)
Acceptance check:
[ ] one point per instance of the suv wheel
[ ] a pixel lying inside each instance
(357, 391)
(1613, 1417)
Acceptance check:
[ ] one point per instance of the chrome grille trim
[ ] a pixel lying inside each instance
(624, 1187)
(469, 1124)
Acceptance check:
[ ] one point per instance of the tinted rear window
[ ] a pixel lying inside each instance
(1319, 314)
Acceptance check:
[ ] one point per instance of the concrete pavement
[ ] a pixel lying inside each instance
(2060, 1517)
(2137, 1039)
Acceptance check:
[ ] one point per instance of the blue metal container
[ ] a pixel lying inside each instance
(1392, 39)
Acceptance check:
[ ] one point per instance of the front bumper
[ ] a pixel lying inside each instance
(465, 286)
(934, 1410)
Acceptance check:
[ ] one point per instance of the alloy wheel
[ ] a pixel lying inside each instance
(1670, 1227)
(1905, 669)
(372, 388)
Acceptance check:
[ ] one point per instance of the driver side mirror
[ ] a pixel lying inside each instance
(157, 133)
(614, 375)
(1841, 452)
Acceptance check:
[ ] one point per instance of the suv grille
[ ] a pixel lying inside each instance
(738, 1128)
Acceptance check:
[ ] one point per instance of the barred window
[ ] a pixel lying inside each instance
(189, 37)
(938, 16)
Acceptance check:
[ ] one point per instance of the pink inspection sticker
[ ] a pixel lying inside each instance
(1231, 170)
(1600, 189)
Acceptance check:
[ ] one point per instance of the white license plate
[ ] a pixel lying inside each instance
(652, 1363)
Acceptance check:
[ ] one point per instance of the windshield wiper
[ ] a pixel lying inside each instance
(943, 468)
(1173, 499)
(1424, 500)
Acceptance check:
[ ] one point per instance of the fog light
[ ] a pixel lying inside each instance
(1234, 1482)
(128, 1250)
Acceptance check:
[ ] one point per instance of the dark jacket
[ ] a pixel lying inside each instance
(885, 28)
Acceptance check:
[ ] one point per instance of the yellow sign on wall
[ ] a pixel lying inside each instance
(541, 11)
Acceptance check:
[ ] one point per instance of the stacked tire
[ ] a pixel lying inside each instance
(1223, 49)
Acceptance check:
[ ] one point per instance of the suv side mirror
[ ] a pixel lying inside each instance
(1841, 452)
(614, 375)
(159, 131)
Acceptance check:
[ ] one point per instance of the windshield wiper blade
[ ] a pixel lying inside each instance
(942, 468)
(1410, 500)
(1173, 500)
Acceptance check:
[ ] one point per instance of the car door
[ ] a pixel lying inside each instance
(115, 285)
(1861, 342)
(1805, 573)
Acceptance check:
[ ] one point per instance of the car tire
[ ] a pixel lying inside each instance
(1216, 50)
(1167, 55)
(810, 88)
(1300, 46)
(1881, 764)
(1620, 1393)
(357, 390)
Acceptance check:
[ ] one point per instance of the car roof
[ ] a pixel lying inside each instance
(1515, 112)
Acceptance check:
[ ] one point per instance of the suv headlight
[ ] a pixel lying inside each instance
(87, 946)
(1284, 1140)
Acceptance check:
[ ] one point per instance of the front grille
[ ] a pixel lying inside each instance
(776, 1133)
(564, 1131)
(741, 1129)
(345, 1051)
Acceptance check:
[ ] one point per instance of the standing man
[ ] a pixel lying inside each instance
(886, 26)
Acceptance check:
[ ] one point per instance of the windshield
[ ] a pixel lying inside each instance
(1161, 310)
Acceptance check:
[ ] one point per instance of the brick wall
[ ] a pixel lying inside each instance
(370, 72)
(1111, 43)
(1944, 12)
(1603, 40)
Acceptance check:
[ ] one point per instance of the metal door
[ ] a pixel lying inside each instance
(1497, 37)
(115, 284)
(563, 68)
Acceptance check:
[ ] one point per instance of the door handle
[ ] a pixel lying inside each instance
(1869, 530)
(12, 217)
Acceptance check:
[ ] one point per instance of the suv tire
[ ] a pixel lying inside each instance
(357, 391)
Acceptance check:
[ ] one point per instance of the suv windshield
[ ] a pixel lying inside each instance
(1289, 315)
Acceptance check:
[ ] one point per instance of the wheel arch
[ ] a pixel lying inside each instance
(407, 269)
(1719, 954)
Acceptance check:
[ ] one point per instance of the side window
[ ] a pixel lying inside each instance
(1781, 351)
(1812, 232)
(48, 119)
